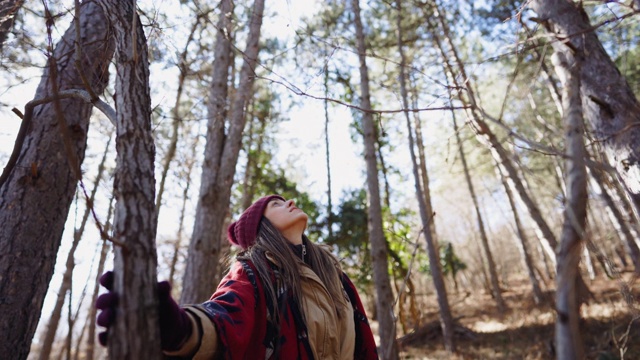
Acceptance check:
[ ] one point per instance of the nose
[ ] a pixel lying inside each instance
(291, 203)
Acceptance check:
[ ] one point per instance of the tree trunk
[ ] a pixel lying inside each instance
(35, 199)
(91, 338)
(523, 244)
(49, 335)
(609, 104)
(202, 257)
(221, 157)
(384, 298)
(183, 210)
(253, 169)
(446, 320)
(135, 333)
(568, 340)
(326, 153)
(422, 160)
(493, 275)
(177, 116)
(8, 10)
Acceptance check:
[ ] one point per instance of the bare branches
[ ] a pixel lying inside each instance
(294, 89)
(106, 109)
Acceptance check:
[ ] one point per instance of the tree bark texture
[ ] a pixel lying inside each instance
(135, 333)
(609, 104)
(384, 299)
(221, 156)
(446, 320)
(35, 199)
(568, 339)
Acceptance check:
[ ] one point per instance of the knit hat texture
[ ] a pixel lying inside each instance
(243, 232)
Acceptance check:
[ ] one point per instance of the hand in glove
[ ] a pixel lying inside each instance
(175, 325)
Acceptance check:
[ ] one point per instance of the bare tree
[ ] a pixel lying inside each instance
(135, 333)
(522, 243)
(221, 156)
(422, 159)
(183, 67)
(568, 339)
(326, 151)
(190, 162)
(91, 337)
(446, 320)
(378, 248)
(35, 198)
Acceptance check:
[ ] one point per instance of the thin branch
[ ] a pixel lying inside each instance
(106, 109)
(300, 92)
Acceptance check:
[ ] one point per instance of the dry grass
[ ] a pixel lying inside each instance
(526, 331)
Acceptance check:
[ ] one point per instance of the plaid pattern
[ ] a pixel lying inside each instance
(239, 310)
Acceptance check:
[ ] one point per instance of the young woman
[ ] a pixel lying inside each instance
(284, 298)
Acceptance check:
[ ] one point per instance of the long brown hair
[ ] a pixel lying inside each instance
(322, 262)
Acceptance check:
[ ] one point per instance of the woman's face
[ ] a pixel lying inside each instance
(286, 217)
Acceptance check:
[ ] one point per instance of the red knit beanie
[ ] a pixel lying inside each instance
(243, 232)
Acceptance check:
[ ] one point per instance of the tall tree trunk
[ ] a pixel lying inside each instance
(253, 169)
(326, 147)
(609, 104)
(446, 320)
(49, 335)
(202, 257)
(568, 340)
(422, 161)
(247, 195)
(523, 244)
(91, 337)
(183, 208)
(384, 170)
(35, 199)
(135, 333)
(384, 298)
(484, 240)
(177, 116)
(221, 157)
(8, 10)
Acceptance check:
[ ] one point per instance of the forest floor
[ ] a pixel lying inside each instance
(610, 327)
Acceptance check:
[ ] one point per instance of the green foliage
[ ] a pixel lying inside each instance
(450, 262)
(351, 236)
(629, 65)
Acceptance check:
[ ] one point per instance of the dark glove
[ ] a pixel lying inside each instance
(175, 326)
